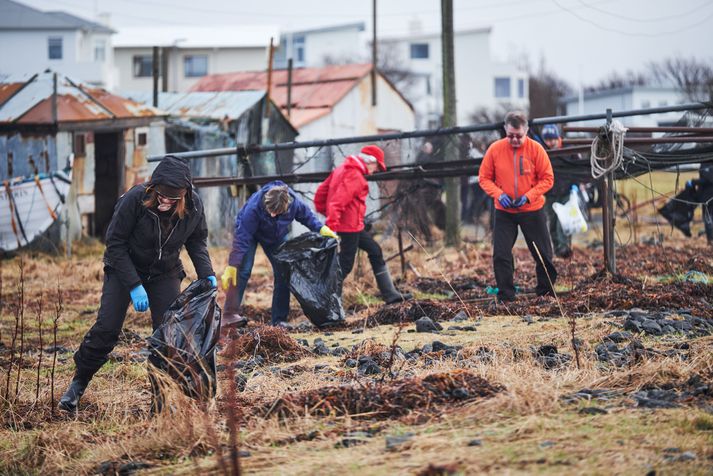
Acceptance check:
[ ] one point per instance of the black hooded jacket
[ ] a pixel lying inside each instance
(135, 249)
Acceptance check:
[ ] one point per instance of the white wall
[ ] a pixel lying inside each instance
(27, 53)
(475, 75)
(628, 99)
(337, 44)
(220, 60)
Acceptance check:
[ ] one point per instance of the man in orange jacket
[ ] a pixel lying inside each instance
(342, 199)
(517, 172)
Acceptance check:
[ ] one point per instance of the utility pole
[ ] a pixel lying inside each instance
(154, 74)
(373, 54)
(450, 149)
(608, 213)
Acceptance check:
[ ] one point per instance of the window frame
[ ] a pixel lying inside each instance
(141, 61)
(58, 43)
(189, 60)
(414, 48)
(496, 87)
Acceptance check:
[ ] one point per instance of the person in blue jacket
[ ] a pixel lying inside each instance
(265, 219)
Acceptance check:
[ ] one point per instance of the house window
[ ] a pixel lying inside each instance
(141, 138)
(54, 47)
(195, 66)
(142, 66)
(419, 50)
(502, 87)
(100, 51)
(298, 45)
(521, 88)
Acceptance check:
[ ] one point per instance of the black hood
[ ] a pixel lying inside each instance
(172, 172)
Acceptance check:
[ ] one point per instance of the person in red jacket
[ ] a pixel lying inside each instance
(517, 172)
(342, 199)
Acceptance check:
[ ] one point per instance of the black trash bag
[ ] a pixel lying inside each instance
(184, 345)
(312, 269)
(679, 213)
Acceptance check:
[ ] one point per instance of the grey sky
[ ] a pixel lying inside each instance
(584, 39)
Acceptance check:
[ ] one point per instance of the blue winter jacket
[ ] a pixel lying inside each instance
(254, 223)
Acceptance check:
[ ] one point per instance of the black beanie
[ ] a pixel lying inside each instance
(172, 172)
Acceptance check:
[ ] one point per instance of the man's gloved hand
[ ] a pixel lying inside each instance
(689, 185)
(230, 277)
(505, 200)
(213, 281)
(520, 202)
(327, 232)
(139, 298)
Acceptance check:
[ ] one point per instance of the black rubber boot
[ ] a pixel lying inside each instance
(70, 400)
(388, 291)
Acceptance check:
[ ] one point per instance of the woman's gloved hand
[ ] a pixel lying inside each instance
(230, 277)
(505, 200)
(213, 281)
(327, 232)
(139, 298)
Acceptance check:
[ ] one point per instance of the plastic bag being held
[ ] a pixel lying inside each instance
(570, 215)
(184, 345)
(311, 265)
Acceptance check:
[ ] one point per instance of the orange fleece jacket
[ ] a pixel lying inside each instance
(523, 171)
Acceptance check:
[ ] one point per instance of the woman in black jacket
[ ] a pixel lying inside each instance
(150, 225)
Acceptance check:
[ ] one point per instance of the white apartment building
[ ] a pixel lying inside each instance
(188, 53)
(32, 40)
(317, 47)
(481, 81)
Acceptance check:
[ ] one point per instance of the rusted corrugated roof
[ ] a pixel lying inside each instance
(315, 91)
(33, 103)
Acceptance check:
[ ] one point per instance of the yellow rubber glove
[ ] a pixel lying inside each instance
(326, 231)
(230, 275)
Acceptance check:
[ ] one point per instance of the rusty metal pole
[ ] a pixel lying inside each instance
(608, 217)
(164, 69)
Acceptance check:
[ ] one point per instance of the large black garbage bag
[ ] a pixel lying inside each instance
(184, 345)
(678, 212)
(311, 265)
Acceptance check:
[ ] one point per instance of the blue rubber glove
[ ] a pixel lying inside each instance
(139, 298)
(213, 281)
(689, 185)
(520, 202)
(505, 200)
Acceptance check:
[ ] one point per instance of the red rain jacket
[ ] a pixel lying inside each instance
(342, 196)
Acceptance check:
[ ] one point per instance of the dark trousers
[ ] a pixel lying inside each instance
(280, 294)
(348, 246)
(534, 227)
(115, 299)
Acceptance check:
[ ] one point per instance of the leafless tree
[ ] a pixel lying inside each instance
(546, 91)
(693, 77)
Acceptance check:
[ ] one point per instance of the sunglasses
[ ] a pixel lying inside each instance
(167, 198)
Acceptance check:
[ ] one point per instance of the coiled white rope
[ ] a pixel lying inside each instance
(609, 143)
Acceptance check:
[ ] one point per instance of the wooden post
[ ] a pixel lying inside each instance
(289, 88)
(608, 217)
(401, 253)
(269, 80)
(373, 54)
(164, 69)
(154, 74)
(450, 149)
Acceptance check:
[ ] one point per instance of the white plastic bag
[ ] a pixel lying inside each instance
(570, 215)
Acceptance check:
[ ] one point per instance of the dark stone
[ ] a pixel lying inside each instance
(438, 346)
(132, 467)
(651, 327)
(59, 349)
(338, 351)
(368, 367)
(358, 331)
(353, 438)
(303, 342)
(460, 316)
(547, 444)
(321, 349)
(396, 441)
(241, 381)
(351, 363)
(321, 368)
(593, 411)
(460, 393)
(620, 336)
(632, 325)
(425, 324)
(475, 442)
(528, 318)
(656, 399)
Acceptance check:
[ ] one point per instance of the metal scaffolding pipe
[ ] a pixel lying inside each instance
(594, 130)
(259, 148)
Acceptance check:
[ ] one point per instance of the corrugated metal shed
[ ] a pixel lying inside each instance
(30, 102)
(214, 105)
(315, 91)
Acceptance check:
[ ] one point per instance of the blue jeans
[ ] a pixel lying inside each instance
(280, 295)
